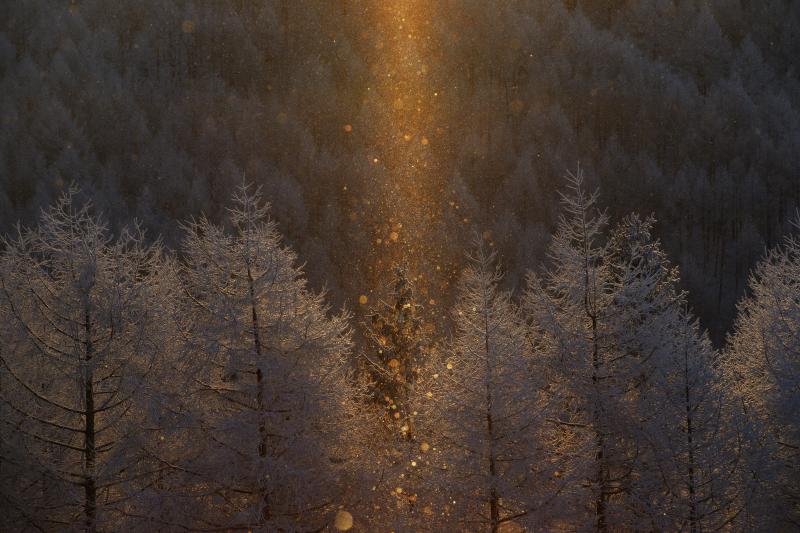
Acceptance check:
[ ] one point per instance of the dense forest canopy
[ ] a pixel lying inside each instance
(687, 110)
(451, 265)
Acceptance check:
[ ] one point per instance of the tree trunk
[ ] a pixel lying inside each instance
(602, 490)
(690, 443)
(262, 426)
(90, 450)
(589, 305)
(494, 499)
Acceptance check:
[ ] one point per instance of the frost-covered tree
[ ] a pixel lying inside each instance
(396, 342)
(688, 472)
(83, 333)
(606, 312)
(483, 409)
(274, 405)
(397, 363)
(762, 366)
(571, 306)
(186, 96)
(701, 480)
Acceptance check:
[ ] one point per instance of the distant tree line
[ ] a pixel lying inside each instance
(687, 110)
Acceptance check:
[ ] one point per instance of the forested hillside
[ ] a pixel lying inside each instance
(455, 265)
(688, 110)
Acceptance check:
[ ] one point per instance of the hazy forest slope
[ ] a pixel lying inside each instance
(689, 110)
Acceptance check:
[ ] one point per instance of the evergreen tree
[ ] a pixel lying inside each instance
(762, 370)
(83, 338)
(688, 467)
(395, 358)
(275, 407)
(609, 313)
(483, 409)
(395, 350)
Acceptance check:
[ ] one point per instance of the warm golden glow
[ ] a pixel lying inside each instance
(408, 137)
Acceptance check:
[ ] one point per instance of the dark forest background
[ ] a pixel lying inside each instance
(686, 109)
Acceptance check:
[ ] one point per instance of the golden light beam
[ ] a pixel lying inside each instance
(410, 204)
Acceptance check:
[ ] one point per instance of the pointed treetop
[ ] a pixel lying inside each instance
(248, 207)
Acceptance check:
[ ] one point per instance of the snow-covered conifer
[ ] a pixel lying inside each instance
(273, 399)
(762, 367)
(482, 410)
(83, 334)
(608, 316)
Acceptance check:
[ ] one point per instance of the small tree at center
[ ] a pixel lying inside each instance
(395, 341)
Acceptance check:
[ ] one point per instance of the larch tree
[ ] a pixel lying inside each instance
(685, 477)
(567, 308)
(418, 487)
(762, 368)
(274, 402)
(601, 312)
(483, 408)
(83, 334)
(701, 478)
(396, 341)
